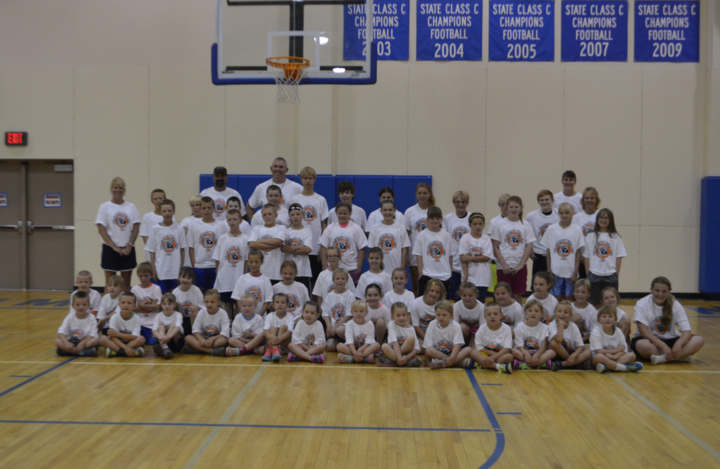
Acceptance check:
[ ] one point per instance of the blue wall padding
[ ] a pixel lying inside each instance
(404, 187)
(294, 178)
(232, 183)
(325, 186)
(709, 278)
(206, 180)
(366, 191)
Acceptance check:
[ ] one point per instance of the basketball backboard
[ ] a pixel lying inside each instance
(250, 31)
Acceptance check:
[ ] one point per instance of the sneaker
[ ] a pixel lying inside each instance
(545, 366)
(469, 363)
(62, 353)
(523, 366)
(139, 352)
(506, 368)
(318, 358)
(556, 366)
(586, 365)
(90, 352)
(276, 355)
(232, 352)
(634, 367)
(158, 350)
(283, 350)
(436, 364)
(268, 355)
(121, 352)
(109, 353)
(369, 359)
(187, 349)
(414, 362)
(293, 358)
(379, 353)
(386, 362)
(259, 350)
(167, 354)
(342, 358)
(515, 364)
(218, 352)
(601, 368)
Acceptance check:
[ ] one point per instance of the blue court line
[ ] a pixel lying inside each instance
(20, 376)
(499, 435)
(509, 413)
(238, 425)
(7, 391)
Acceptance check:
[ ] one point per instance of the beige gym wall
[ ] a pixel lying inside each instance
(123, 89)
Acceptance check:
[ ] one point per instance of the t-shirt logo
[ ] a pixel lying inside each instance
(266, 237)
(472, 322)
(426, 320)
(219, 206)
(294, 242)
(494, 346)
(387, 242)
(514, 238)
(309, 340)
(436, 250)
(443, 347)
(568, 345)
(121, 220)
(169, 243)
(603, 250)
(337, 312)
(293, 301)
(531, 344)
(207, 239)
(658, 326)
(359, 340)
(186, 307)
(255, 291)
(233, 256)
(309, 214)
(543, 229)
(211, 330)
(583, 327)
(459, 232)
(401, 339)
(475, 252)
(588, 228)
(506, 319)
(342, 243)
(545, 318)
(421, 225)
(564, 248)
(76, 336)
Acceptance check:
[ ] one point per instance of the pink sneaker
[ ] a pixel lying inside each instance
(293, 358)
(318, 359)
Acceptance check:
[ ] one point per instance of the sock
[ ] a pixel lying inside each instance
(621, 367)
(660, 358)
(165, 347)
(499, 366)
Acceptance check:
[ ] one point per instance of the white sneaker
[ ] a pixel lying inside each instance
(601, 368)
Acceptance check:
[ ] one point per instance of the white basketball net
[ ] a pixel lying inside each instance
(288, 89)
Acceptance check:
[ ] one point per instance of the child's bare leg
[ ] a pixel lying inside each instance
(285, 342)
(609, 363)
(380, 329)
(390, 352)
(61, 345)
(692, 347)
(465, 332)
(462, 355)
(559, 350)
(109, 343)
(93, 342)
(332, 344)
(370, 349)
(415, 277)
(297, 350)
(318, 349)
(340, 333)
(487, 362)
(518, 355)
(627, 358)
(407, 346)
(434, 354)
(506, 358)
(193, 342)
(547, 355)
(343, 348)
(577, 359)
(220, 341)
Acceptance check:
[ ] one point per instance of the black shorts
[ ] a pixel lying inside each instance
(634, 341)
(111, 261)
(226, 297)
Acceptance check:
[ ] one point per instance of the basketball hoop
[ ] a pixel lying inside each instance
(288, 71)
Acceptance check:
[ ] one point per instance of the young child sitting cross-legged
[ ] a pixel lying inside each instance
(566, 340)
(210, 329)
(168, 327)
(360, 345)
(402, 346)
(248, 329)
(308, 339)
(443, 342)
(279, 327)
(608, 345)
(124, 337)
(493, 342)
(78, 334)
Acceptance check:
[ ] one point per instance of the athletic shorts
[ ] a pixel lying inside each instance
(226, 297)
(205, 278)
(148, 334)
(167, 285)
(562, 287)
(634, 341)
(111, 261)
(518, 282)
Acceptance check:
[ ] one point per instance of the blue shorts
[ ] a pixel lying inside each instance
(167, 285)
(147, 333)
(562, 287)
(205, 278)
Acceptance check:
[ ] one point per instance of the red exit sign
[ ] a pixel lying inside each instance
(16, 138)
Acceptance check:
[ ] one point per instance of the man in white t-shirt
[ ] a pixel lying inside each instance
(220, 193)
(568, 193)
(289, 188)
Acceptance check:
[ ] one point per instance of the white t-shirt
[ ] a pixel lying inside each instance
(94, 300)
(175, 319)
(260, 287)
(540, 223)
(650, 314)
(392, 240)
(130, 326)
(349, 240)
(401, 334)
(166, 242)
(297, 238)
(325, 285)
(289, 189)
(494, 340)
(457, 227)
(443, 338)
(357, 216)
(548, 305)
(492, 223)
(244, 227)
(273, 257)
(382, 312)
(376, 217)
(231, 253)
(209, 325)
(107, 306)
(186, 223)
(76, 330)
(149, 221)
(202, 238)
(479, 273)
(221, 198)
(336, 306)
(315, 210)
(118, 221)
(435, 250)
(421, 314)
(585, 222)
(474, 317)
(309, 335)
(272, 320)
(564, 245)
(573, 200)
(382, 279)
(415, 222)
(297, 297)
(513, 237)
(603, 253)
(283, 218)
(513, 314)
(530, 338)
(144, 297)
(599, 340)
(391, 298)
(240, 325)
(588, 318)
(572, 339)
(186, 299)
(359, 334)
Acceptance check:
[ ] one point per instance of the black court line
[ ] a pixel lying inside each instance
(7, 391)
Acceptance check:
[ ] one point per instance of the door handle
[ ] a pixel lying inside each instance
(32, 227)
(13, 227)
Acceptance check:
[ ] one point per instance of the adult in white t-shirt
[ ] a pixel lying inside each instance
(568, 193)
(220, 193)
(289, 188)
(118, 223)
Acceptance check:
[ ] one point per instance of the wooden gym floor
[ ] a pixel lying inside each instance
(212, 412)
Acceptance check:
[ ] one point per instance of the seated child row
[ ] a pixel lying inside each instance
(429, 325)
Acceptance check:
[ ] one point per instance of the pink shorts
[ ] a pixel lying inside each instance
(518, 282)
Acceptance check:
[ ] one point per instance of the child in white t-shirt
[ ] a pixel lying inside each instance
(202, 239)
(308, 339)
(297, 292)
(166, 245)
(109, 302)
(475, 253)
(269, 238)
(360, 344)
(78, 333)
(609, 296)
(531, 340)
(422, 309)
(469, 312)
(211, 328)
(124, 337)
(443, 342)
(349, 238)
(275, 198)
(234, 203)
(512, 311)
(151, 219)
(584, 314)
(346, 193)
(608, 345)
(566, 341)
(493, 343)
(457, 224)
(255, 283)
(542, 283)
(386, 194)
(336, 309)
(187, 222)
(391, 236)
(398, 293)
(603, 254)
(230, 256)
(168, 328)
(402, 346)
(189, 298)
(298, 246)
(84, 282)
(323, 283)
(279, 327)
(416, 222)
(434, 250)
(376, 274)
(148, 301)
(568, 193)
(540, 220)
(248, 329)
(378, 313)
(562, 243)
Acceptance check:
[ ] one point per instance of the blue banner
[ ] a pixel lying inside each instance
(667, 31)
(449, 30)
(391, 28)
(594, 31)
(522, 30)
